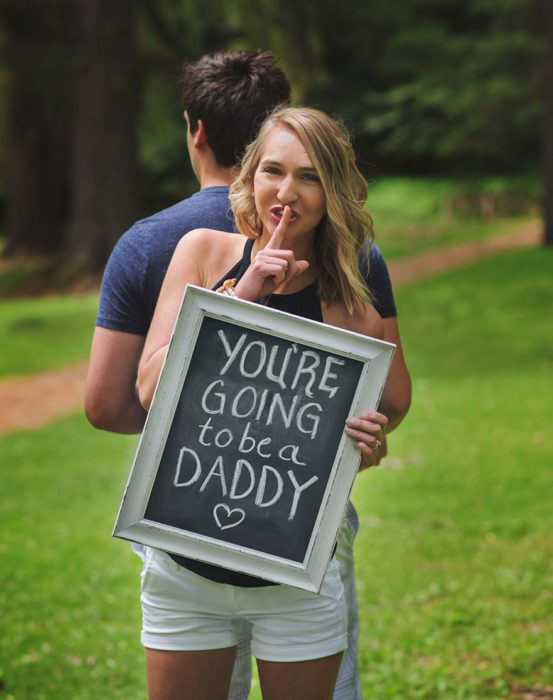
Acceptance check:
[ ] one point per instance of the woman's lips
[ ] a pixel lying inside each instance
(277, 211)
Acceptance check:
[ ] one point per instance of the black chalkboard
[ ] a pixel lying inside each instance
(253, 440)
(243, 461)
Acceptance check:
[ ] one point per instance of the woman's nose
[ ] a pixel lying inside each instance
(287, 191)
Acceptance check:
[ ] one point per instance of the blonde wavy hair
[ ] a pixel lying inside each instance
(346, 230)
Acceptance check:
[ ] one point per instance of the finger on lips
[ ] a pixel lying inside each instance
(276, 239)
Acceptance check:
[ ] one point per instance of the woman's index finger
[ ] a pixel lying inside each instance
(275, 242)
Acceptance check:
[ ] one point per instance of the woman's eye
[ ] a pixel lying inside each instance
(311, 177)
(271, 170)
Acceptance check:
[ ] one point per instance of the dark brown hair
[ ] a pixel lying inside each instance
(232, 92)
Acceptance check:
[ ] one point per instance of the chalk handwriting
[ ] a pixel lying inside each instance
(254, 358)
(230, 516)
(267, 482)
(259, 406)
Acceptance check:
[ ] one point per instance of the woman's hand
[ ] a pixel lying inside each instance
(367, 432)
(272, 266)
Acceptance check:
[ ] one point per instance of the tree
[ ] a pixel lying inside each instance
(106, 99)
(84, 153)
(37, 56)
(170, 34)
(425, 85)
(462, 88)
(548, 128)
(97, 136)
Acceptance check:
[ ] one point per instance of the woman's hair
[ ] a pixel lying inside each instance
(346, 230)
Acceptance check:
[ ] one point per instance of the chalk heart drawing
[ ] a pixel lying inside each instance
(226, 517)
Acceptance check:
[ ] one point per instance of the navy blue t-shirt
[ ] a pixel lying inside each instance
(137, 266)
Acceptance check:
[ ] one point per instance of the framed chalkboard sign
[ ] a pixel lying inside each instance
(243, 461)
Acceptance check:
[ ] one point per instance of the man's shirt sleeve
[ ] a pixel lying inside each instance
(378, 281)
(121, 305)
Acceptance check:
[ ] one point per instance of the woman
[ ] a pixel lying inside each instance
(298, 204)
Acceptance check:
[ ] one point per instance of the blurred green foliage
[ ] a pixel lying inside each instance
(425, 86)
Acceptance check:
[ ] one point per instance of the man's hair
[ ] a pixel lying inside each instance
(232, 92)
(346, 229)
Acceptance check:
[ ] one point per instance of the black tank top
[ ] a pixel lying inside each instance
(304, 303)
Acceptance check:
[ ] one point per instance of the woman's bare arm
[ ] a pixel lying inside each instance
(189, 265)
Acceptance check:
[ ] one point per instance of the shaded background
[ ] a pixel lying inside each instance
(91, 128)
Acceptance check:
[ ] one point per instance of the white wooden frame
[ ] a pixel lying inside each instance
(376, 356)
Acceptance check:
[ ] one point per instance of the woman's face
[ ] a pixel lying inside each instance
(286, 175)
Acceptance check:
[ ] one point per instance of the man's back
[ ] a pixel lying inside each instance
(135, 271)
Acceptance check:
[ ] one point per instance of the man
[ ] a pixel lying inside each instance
(226, 96)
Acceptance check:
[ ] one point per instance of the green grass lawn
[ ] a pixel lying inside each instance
(45, 333)
(69, 592)
(455, 551)
(416, 214)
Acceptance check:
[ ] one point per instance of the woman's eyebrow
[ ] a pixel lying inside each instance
(271, 161)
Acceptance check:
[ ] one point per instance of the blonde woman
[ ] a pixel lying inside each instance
(298, 204)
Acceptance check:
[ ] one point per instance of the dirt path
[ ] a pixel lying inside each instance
(435, 261)
(30, 402)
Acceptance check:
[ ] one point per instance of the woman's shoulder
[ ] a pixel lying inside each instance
(213, 251)
(207, 238)
(209, 244)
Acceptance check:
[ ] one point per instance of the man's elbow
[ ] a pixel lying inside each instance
(115, 418)
(396, 406)
(401, 405)
(100, 416)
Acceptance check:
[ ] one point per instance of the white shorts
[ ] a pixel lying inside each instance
(182, 611)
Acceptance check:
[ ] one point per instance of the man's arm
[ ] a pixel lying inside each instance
(396, 397)
(111, 402)
(395, 401)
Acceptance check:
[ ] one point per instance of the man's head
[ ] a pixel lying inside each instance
(231, 92)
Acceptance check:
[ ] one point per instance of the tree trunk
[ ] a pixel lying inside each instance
(37, 58)
(105, 171)
(548, 130)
